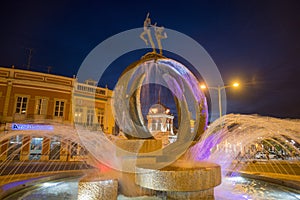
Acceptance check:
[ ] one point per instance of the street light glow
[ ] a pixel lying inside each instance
(236, 84)
(219, 88)
(202, 86)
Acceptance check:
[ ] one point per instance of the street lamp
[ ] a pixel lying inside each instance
(219, 88)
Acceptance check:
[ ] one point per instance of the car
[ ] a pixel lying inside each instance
(272, 155)
(260, 155)
(263, 155)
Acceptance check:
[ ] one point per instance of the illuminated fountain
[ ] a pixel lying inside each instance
(142, 155)
(138, 164)
(240, 137)
(264, 130)
(220, 144)
(161, 162)
(180, 170)
(235, 141)
(134, 160)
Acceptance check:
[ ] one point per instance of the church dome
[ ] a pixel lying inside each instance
(158, 109)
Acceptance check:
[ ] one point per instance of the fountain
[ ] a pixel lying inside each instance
(138, 163)
(219, 149)
(145, 164)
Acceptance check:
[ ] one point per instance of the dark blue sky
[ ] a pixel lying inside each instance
(254, 41)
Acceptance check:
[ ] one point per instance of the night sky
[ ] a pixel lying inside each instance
(256, 42)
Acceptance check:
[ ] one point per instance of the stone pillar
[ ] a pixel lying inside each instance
(149, 124)
(45, 149)
(7, 99)
(24, 154)
(171, 126)
(3, 150)
(64, 151)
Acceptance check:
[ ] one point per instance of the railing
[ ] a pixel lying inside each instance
(90, 89)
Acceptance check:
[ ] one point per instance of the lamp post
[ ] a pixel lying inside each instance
(219, 89)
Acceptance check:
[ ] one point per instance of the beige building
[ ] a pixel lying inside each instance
(28, 97)
(92, 106)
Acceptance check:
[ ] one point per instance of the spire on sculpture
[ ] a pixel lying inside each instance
(158, 31)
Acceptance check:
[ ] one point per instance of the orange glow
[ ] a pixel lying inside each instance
(202, 86)
(236, 84)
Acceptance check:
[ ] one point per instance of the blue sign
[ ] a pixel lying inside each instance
(22, 127)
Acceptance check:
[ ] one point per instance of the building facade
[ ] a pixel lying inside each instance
(29, 98)
(92, 106)
(160, 123)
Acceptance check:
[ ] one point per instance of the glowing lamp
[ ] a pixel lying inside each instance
(202, 86)
(236, 84)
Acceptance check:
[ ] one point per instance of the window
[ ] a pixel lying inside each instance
(79, 87)
(154, 125)
(100, 118)
(16, 139)
(21, 105)
(78, 115)
(100, 91)
(90, 117)
(36, 146)
(55, 147)
(41, 106)
(86, 88)
(59, 108)
(159, 123)
(14, 147)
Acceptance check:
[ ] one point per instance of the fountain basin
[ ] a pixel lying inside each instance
(182, 179)
(106, 189)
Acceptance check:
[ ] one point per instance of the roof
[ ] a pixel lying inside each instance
(159, 109)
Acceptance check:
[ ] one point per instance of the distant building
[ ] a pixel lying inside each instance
(40, 98)
(160, 123)
(92, 106)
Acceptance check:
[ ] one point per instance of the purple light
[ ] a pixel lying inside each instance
(15, 184)
(22, 127)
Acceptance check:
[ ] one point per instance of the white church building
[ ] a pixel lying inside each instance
(160, 123)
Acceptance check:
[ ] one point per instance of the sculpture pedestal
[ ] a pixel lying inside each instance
(98, 189)
(182, 179)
